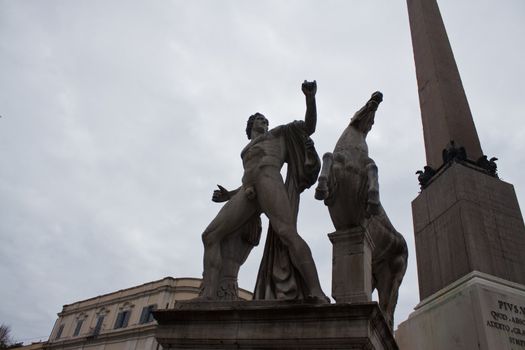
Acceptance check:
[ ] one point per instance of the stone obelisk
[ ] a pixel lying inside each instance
(469, 231)
(444, 107)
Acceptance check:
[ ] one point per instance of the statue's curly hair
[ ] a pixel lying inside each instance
(249, 124)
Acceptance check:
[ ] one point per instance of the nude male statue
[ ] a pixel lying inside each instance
(264, 191)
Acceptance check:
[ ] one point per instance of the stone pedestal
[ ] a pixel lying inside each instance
(467, 221)
(352, 265)
(273, 325)
(478, 311)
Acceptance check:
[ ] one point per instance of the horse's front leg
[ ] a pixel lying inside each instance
(373, 203)
(322, 191)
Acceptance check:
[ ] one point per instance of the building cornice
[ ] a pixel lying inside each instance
(121, 299)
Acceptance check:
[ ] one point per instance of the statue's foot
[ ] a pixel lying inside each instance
(205, 294)
(318, 299)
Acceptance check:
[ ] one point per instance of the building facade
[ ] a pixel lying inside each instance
(121, 320)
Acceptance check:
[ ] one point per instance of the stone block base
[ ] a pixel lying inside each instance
(273, 325)
(478, 311)
(352, 265)
(467, 221)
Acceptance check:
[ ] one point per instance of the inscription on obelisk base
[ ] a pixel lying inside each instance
(478, 311)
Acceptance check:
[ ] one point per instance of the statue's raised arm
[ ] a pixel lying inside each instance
(310, 118)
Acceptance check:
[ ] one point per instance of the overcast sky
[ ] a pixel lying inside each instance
(118, 118)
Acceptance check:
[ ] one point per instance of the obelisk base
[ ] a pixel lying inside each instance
(273, 325)
(478, 311)
(352, 265)
(467, 221)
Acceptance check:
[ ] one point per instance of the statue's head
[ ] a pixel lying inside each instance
(363, 119)
(259, 121)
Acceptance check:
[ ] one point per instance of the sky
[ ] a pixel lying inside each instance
(118, 119)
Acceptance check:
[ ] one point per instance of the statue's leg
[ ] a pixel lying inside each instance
(389, 275)
(322, 191)
(398, 267)
(274, 202)
(373, 202)
(230, 218)
(383, 278)
(234, 251)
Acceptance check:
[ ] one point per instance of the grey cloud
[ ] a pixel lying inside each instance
(118, 119)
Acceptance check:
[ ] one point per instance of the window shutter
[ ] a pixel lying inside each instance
(125, 318)
(78, 327)
(98, 327)
(144, 314)
(151, 308)
(59, 332)
(118, 322)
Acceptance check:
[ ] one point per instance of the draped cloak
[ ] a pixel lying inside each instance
(278, 278)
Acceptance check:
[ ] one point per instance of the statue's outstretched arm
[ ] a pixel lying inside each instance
(222, 194)
(310, 118)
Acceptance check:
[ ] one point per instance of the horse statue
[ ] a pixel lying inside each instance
(349, 186)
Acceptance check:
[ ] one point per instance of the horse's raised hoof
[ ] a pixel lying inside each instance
(321, 192)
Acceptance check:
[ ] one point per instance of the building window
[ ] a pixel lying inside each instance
(78, 327)
(98, 326)
(122, 319)
(147, 313)
(59, 332)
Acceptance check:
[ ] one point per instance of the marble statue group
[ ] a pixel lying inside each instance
(348, 184)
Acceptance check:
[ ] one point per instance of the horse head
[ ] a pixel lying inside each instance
(363, 119)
